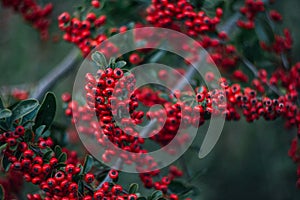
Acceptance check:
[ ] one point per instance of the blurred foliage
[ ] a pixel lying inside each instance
(250, 160)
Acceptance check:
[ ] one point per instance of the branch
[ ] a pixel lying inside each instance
(61, 70)
(255, 72)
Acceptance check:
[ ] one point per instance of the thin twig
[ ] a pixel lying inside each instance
(61, 70)
(254, 70)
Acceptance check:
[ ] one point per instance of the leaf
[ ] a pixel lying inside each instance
(28, 136)
(46, 134)
(23, 108)
(133, 188)
(47, 156)
(5, 163)
(46, 113)
(99, 59)
(3, 125)
(57, 151)
(182, 188)
(30, 116)
(2, 192)
(39, 131)
(112, 61)
(120, 64)
(264, 31)
(60, 165)
(88, 164)
(156, 195)
(62, 158)
(5, 113)
(142, 198)
(2, 147)
(80, 186)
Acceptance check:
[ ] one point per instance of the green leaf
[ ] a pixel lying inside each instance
(142, 198)
(3, 125)
(112, 61)
(30, 116)
(88, 164)
(62, 158)
(5, 113)
(2, 147)
(57, 151)
(23, 108)
(133, 188)
(60, 165)
(47, 156)
(28, 136)
(156, 195)
(120, 64)
(99, 59)
(46, 113)
(2, 192)
(80, 186)
(46, 134)
(5, 163)
(39, 131)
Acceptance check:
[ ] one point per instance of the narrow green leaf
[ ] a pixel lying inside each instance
(62, 158)
(2, 193)
(142, 198)
(88, 164)
(46, 113)
(2, 147)
(112, 61)
(99, 59)
(47, 156)
(3, 125)
(156, 195)
(60, 165)
(80, 187)
(23, 108)
(5, 113)
(57, 151)
(5, 163)
(46, 134)
(133, 188)
(30, 116)
(39, 131)
(120, 64)
(28, 136)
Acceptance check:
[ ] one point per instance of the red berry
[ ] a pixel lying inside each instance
(134, 59)
(89, 178)
(113, 174)
(95, 3)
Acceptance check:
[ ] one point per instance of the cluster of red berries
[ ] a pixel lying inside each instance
(80, 31)
(281, 44)
(180, 15)
(250, 10)
(32, 13)
(109, 94)
(54, 176)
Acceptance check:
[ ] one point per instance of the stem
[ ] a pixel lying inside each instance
(61, 70)
(252, 67)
